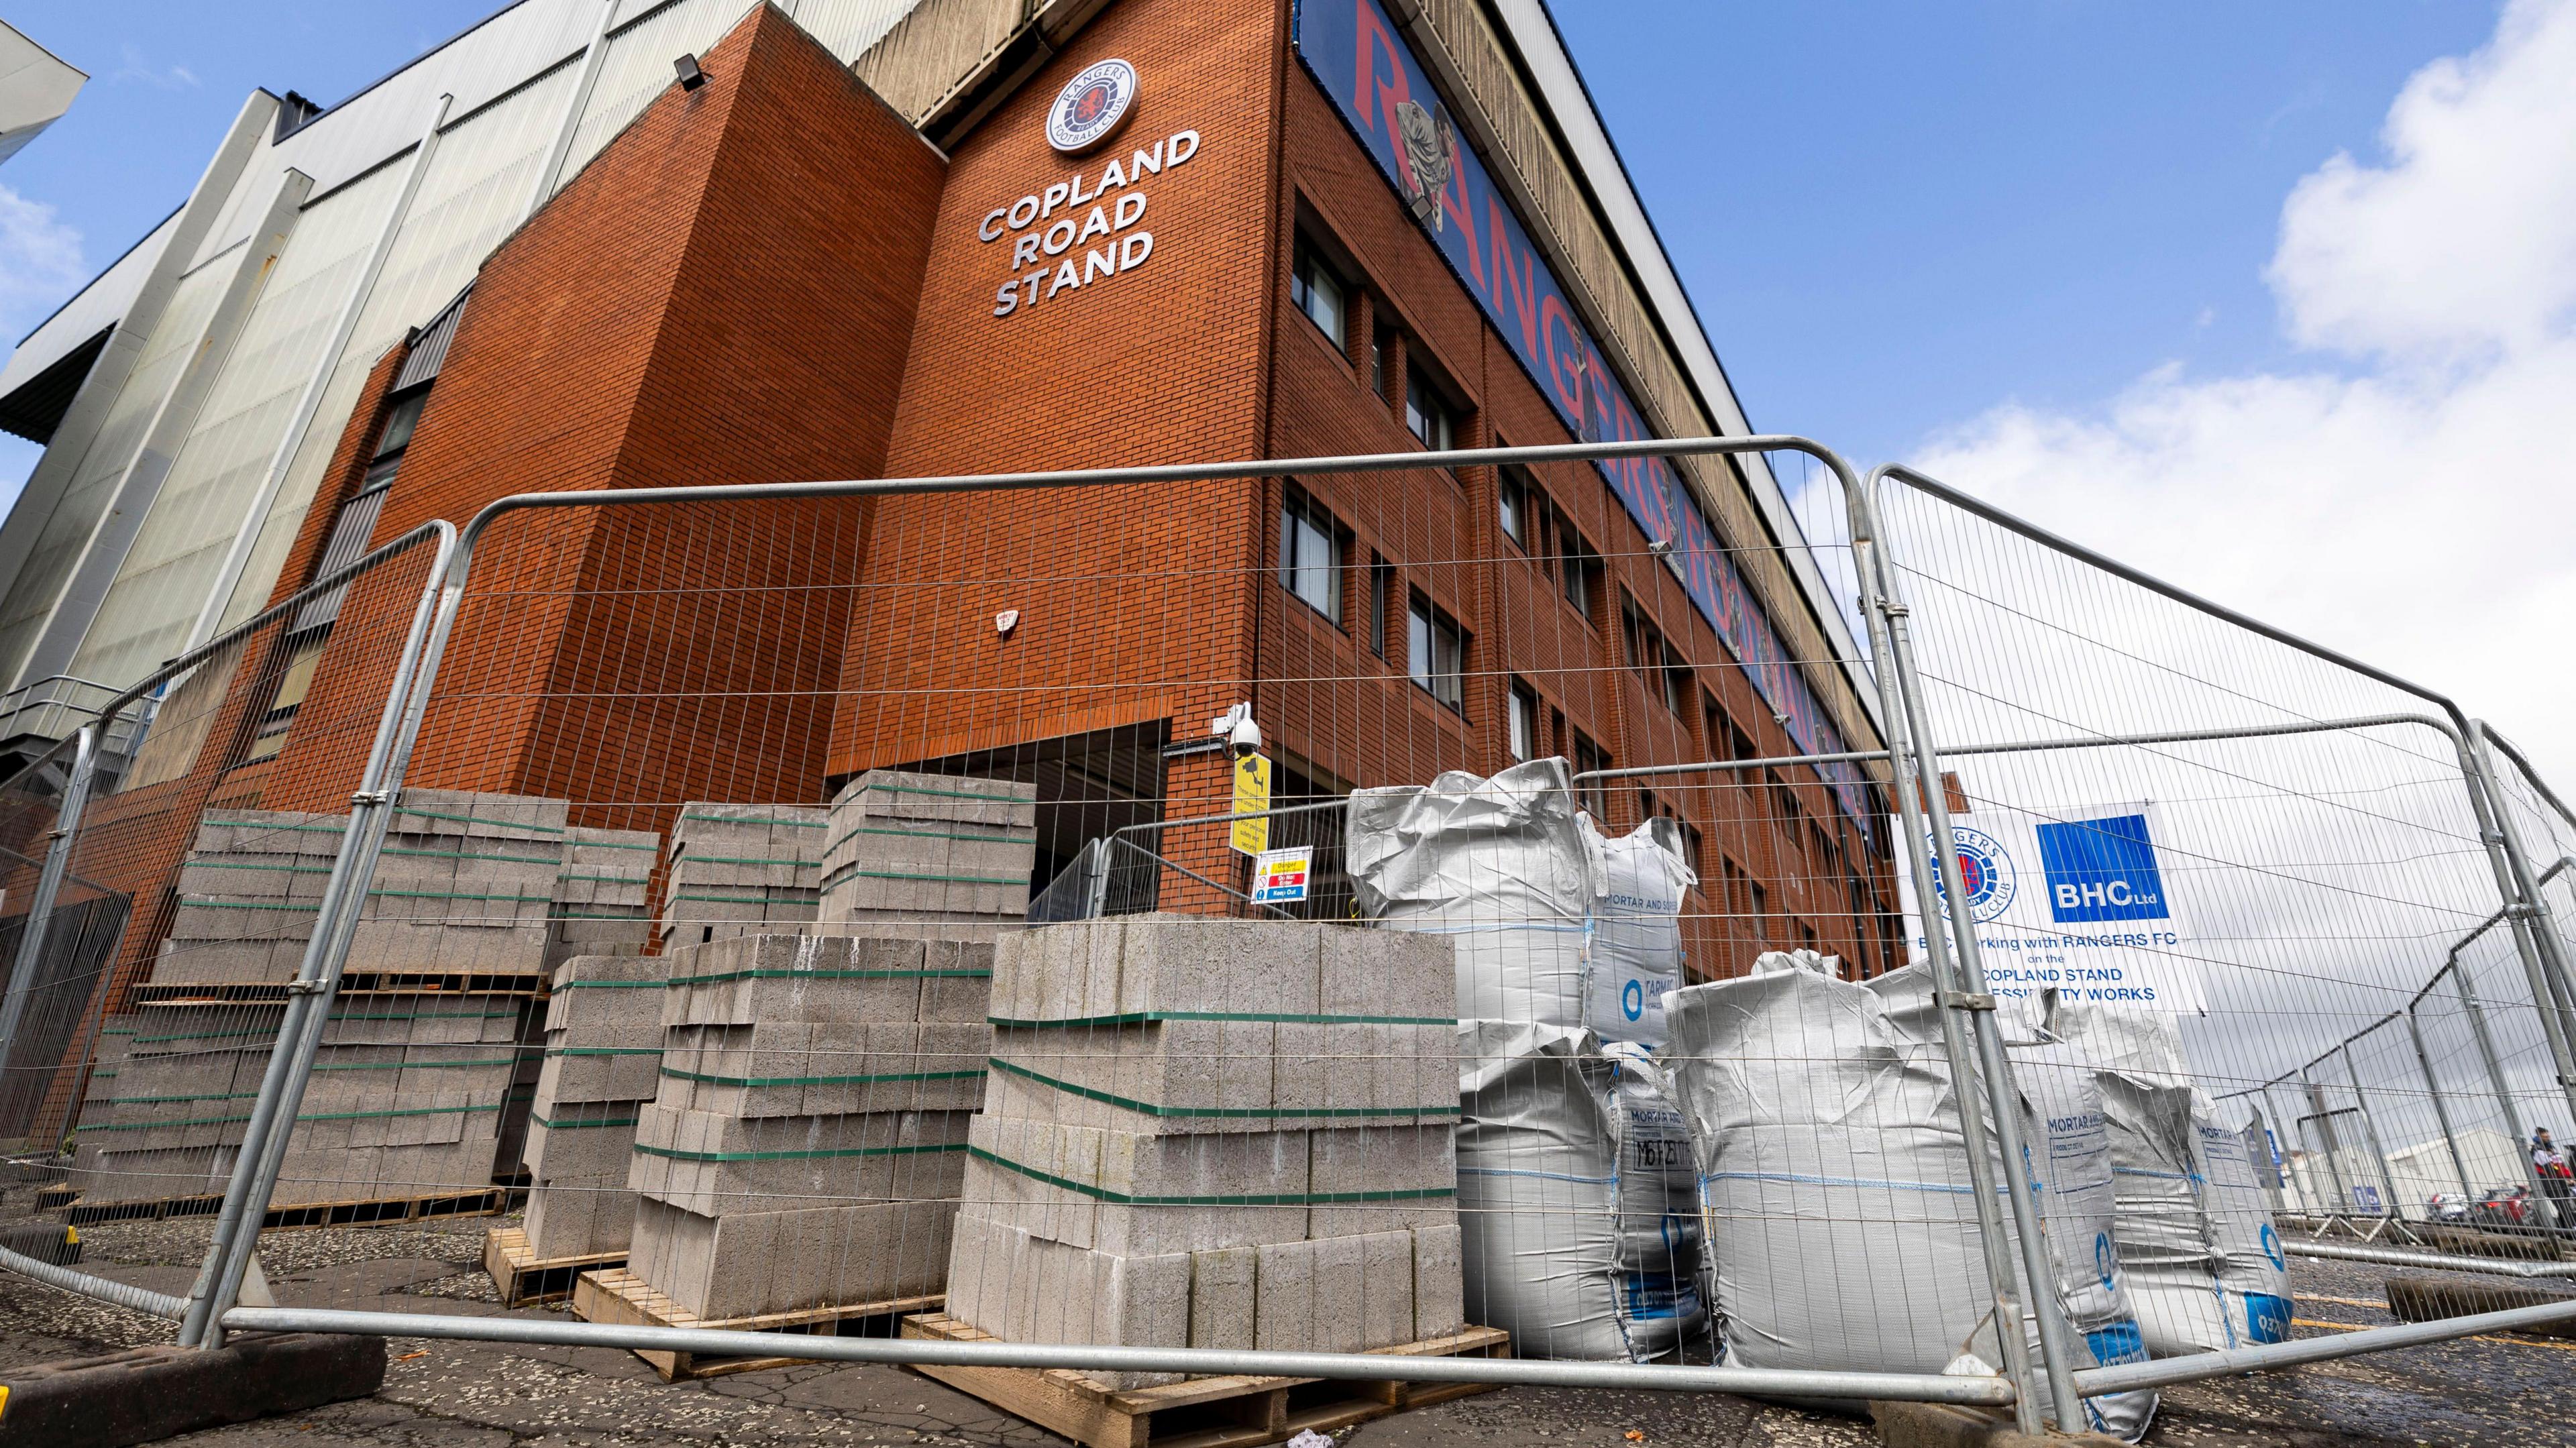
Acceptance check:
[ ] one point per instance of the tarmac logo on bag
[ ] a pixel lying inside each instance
(2272, 1248)
(1985, 873)
(2103, 1262)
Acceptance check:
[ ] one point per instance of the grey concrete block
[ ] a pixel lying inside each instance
(1339, 1306)
(747, 979)
(1223, 1295)
(1164, 1072)
(748, 1263)
(1372, 972)
(713, 1164)
(1439, 1289)
(1134, 1194)
(1209, 963)
(1283, 1316)
(598, 1073)
(261, 961)
(577, 1219)
(1388, 1178)
(1385, 1314)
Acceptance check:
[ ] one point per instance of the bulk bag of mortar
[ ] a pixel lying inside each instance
(1635, 907)
(1498, 864)
(2205, 1266)
(1575, 1195)
(1834, 1180)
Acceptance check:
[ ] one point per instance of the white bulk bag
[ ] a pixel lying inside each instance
(2205, 1265)
(1499, 864)
(1834, 1180)
(1577, 1230)
(1636, 889)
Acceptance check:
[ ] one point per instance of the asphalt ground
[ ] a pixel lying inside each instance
(445, 1394)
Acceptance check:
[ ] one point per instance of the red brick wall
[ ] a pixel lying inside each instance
(1133, 601)
(723, 296)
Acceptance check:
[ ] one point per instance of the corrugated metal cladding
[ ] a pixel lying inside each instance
(429, 348)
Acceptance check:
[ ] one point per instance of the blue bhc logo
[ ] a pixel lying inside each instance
(2102, 869)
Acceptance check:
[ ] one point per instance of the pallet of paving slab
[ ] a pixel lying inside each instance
(353, 982)
(616, 1295)
(1212, 1412)
(56, 1197)
(524, 1278)
(356, 1212)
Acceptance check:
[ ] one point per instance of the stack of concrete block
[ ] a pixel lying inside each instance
(406, 1091)
(1215, 1133)
(930, 850)
(603, 1059)
(741, 869)
(247, 897)
(810, 1136)
(98, 1095)
(602, 903)
(465, 885)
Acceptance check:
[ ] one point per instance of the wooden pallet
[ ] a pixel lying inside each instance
(353, 982)
(613, 1294)
(525, 1278)
(366, 1212)
(1217, 1412)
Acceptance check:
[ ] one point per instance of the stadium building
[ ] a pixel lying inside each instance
(618, 244)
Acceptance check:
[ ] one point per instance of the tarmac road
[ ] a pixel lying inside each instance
(478, 1395)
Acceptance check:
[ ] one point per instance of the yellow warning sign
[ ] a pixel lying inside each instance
(1252, 796)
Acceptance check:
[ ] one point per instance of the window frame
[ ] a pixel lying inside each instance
(1522, 717)
(1299, 507)
(1381, 602)
(1305, 265)
(1425, 624)
(1428, 410)
(1513, 490)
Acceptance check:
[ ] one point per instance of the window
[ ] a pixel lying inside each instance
(1591, 758)
(1725, 741)
(1310, 554)
(1579, 567)
(1657, 664)
(1806, 935)
(1739, 891)
(1317, 291)
(1381, 602)
(1524, 722)
(1512, 501)
(1436, 654)
(1380, 343)
(1427, 414)
(1759, 908)
(1697, 845)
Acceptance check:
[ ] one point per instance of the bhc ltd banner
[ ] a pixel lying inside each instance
(2075, 901)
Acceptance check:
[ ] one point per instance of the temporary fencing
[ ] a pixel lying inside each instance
(1268, 917)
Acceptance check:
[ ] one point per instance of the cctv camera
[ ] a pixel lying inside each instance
(1244, 737)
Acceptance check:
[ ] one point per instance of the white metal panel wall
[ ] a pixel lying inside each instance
(66, 534)
(638, 68)
(152, 605)
(468, 202)
(848, 27)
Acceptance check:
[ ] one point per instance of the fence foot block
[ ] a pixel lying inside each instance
(1941, 1425)
(149, 1393)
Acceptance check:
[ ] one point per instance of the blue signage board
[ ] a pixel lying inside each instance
(1358, 57)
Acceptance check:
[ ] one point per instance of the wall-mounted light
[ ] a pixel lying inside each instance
(691, 77)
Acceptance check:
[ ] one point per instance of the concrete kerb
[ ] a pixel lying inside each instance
(146, 1394)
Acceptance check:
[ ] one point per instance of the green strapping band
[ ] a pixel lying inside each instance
(622, 879)
(705, 1079)
(664, 1151)
(1238, 1113)
(609, 985)
(854, 873)
(413, 1065)
(431, 814)
(318, 1116)
(1248, 1199)
(577, 1125)
(942, 793)
(1139, 1018)
(586, 915)
(431, 1016)
(612, 845)
(462, 855)
(1002, 839)
(742, 899)
(160, 1100)
(721, 820)
(721, 977)
(277, 869)
(205, 1036)
(603, 1050)
(802, 864)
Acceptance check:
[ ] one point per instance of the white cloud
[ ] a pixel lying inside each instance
(40, 257)
(2409, 499)
(136, 68)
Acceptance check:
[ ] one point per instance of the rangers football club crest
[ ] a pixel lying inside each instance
(1090, 106)
(1985, 872)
